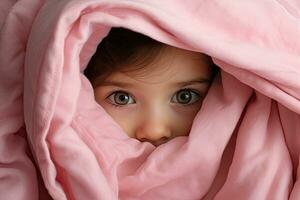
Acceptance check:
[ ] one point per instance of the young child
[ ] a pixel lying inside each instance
(152, 90)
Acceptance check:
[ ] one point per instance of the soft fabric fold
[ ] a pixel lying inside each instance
(244, 141)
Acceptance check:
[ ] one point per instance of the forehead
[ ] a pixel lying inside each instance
(173, 64)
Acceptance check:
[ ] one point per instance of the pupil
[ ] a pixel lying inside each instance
(184, 97)
(122, 98)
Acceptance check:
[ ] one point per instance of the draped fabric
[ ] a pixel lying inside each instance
(56, 142)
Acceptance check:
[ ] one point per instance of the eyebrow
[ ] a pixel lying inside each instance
(181, 83)
(192, 82)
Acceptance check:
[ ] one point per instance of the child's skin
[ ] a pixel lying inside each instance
(160, 101)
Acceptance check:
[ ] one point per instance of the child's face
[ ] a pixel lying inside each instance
(160, 101)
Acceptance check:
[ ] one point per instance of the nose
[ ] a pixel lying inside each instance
(154, 128)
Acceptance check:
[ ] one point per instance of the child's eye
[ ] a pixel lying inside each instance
(120, 98)
(186, 96)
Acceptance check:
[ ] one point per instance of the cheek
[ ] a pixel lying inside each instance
(183, 119)
(125, 118)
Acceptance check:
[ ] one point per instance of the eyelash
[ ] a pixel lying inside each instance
(200, 96)
(115, 92)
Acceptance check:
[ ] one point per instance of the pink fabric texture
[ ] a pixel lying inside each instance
(244, 142)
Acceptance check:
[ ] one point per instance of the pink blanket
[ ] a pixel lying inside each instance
(243, 143)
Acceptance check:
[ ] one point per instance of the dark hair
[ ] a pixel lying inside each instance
(122, 50)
